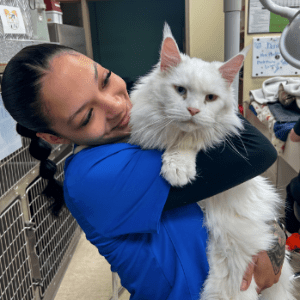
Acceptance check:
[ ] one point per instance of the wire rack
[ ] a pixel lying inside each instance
(15, 272)
(14, 167)
(53, 236)
(34, 245)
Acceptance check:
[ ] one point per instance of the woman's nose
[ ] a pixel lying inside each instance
(115, 98)
(114, 107)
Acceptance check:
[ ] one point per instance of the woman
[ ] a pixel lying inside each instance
(149, 232)
(295, 132)
(292, 224)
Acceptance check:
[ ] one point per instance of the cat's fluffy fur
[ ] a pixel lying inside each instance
(157, 106)
(184, 121)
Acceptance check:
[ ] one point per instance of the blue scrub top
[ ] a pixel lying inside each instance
(117, 196)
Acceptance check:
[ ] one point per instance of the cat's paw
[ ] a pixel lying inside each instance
(178, 173)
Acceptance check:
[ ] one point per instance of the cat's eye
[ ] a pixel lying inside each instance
(180, 90)
(211, 97)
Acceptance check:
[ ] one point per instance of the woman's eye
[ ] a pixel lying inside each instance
(106, 79)
(88, 118)
(181, 90)
(211, 97)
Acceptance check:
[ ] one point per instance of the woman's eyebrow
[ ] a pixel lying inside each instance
(96, 72)
(71, 118)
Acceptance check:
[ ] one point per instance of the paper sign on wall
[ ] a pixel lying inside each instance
(267, 59)
(10, 140)
(12, 20)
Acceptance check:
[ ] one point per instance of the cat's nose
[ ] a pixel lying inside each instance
(193, 111)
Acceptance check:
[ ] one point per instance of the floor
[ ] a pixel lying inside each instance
(89, 277)
(296, 265)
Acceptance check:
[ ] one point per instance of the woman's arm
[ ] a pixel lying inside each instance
(224, 167)
(295, 132)
(267, 265)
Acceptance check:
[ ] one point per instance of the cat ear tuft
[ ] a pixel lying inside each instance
(169, 55)
(167, 31)
(230, 69)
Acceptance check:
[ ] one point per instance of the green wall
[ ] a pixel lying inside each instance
(127, 34)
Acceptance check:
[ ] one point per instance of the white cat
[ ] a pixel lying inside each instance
(185, 105)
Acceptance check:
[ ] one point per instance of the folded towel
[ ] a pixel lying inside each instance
(283, 115)
(269, 91)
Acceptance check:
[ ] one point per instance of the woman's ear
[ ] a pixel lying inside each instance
(52, 139)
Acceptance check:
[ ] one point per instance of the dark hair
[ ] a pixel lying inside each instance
(22, 81)
(41, 150)
(21, 93)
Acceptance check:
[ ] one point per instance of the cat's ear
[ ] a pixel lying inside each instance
(169, 55)
(230, 69)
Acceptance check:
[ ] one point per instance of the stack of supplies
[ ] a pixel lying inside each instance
(277, 103)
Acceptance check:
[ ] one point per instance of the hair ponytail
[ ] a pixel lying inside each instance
(41, 150)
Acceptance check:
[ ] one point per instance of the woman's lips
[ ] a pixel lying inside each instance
(125, 120)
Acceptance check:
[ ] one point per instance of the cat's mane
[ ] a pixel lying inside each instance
(150, 126)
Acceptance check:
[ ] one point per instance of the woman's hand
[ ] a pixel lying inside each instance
(294, 137)
(266, 266)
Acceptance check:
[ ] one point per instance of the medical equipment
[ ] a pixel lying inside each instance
(290, 37)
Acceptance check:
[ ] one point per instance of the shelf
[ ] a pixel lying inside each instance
(76, 1)
(2, 67)
(291, 153)
(69, 1)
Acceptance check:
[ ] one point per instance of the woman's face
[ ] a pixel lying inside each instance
(85, 103)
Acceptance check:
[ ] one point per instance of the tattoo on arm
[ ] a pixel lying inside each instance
(276, 254)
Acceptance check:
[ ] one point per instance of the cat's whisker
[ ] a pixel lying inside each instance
(224, 143)
(208, 155)
(165, 125)
(178, 116)
(159, 129)
(243, 144)
(234, 148)
(148, 125)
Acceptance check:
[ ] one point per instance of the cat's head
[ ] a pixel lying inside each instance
(188, 93)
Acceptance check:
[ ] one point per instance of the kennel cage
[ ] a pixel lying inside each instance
(35, 247)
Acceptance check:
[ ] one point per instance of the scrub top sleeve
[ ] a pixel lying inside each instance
(121, 193)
